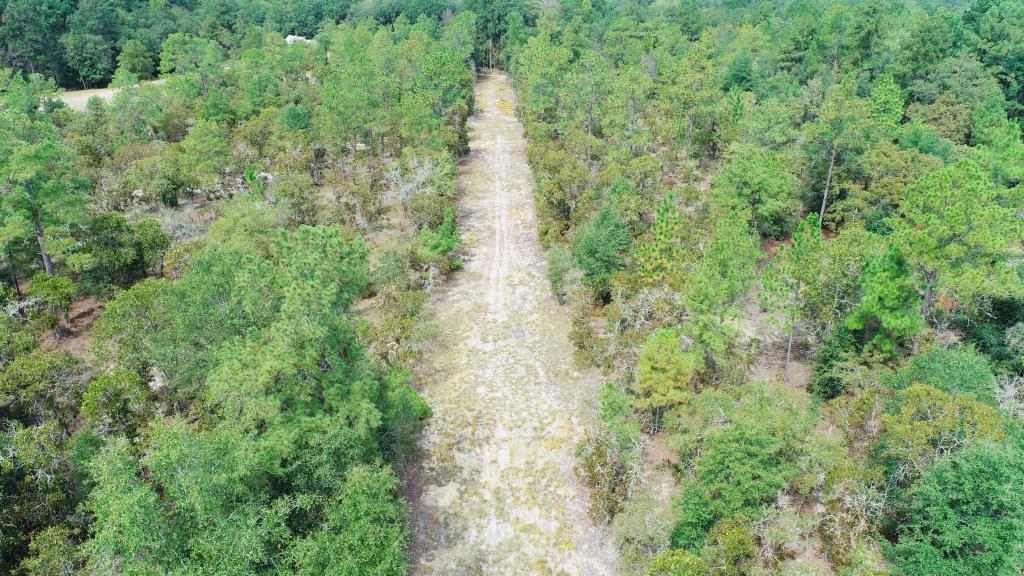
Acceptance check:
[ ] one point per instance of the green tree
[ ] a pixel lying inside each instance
(965, 516)
(692, 92)
(539, 69)
(886, 104)
(183, 53)
(28, 29)
(666, 371)
(966, 81)
(660, 259)
(41, 386)
(930, 424)
(958, 231)
(957, 370)
(600, 247)
(206, 154)
(56, 292)
(740, 469)
(136, 58)
(51, 552)
(836, 134)
(786, 284)
(364, 530)
(889, 305)
(116, 404)
(35, 169)
(90, 55)
(994, 29)
(757, 177)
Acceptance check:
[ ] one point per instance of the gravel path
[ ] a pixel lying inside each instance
(499, 496)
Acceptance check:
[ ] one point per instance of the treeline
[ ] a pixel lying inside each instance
(849, 173)
(83, 42)
(231, 413)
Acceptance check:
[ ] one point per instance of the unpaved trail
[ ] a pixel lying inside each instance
(498, 492)
(79, 99)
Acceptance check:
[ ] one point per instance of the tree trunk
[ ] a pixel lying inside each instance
(792, 330)
(690, 121)
(14, 274)
(828, 183)
(789, 353)
(928, 301)
(140, 261)
(47, 261)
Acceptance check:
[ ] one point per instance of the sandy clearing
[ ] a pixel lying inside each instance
(78, 99)
(498, 491)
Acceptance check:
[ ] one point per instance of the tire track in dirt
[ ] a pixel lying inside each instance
(498, 492)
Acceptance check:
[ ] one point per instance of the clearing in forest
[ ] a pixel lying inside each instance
(499, 495)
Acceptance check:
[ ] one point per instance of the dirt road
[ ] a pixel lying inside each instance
(499, 496)
(78, 99)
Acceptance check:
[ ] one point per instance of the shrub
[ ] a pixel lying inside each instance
(677, 563)
(964, 518)
(1014, 339)
(642, 528)
(441, 241)
(740, 468)
(960, 370)
(600, 247)
(559, 267)
(603, 468)
(732, 549)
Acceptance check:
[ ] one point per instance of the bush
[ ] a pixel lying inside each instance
(603, 468)
(1014, 339)
(677, 563)
(740, 468)
(441, 241)
(964, 518)
(559, 267)
(960, 370)
(642, 528)
(392, 268)
(427, 209)
(732, 549)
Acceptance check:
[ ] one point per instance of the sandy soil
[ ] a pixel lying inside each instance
(497, 490)
(78, 99)
(74, 333)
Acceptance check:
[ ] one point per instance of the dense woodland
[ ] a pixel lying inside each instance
(851, 173)
(232, 414)
(258, 233)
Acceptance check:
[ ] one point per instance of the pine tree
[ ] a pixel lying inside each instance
(660, 260)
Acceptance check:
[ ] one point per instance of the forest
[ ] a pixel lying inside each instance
(788, 235)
